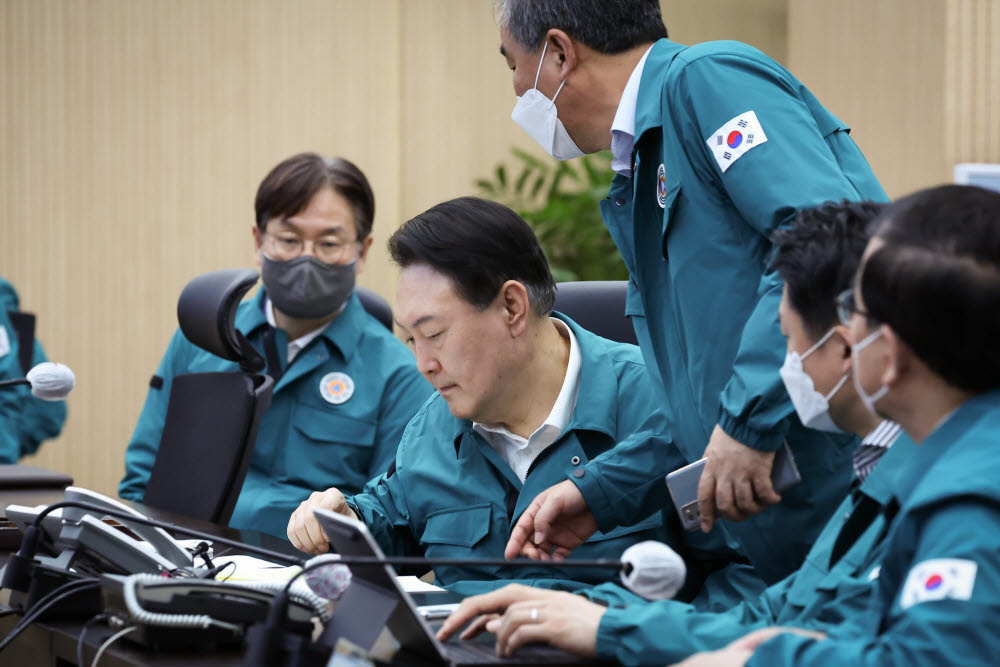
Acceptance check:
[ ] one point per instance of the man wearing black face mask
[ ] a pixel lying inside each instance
(345, 386)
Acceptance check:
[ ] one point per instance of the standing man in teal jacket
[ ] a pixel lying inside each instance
(345, 387)
(715, 146)
(817, 258)
(25, 421)
(525, 398)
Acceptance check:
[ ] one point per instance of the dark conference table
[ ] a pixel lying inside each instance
(53, 643)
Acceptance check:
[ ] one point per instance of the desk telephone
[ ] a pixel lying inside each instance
(151, 580)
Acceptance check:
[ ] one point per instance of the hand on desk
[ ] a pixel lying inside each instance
(520, 615)
(557, 521)
(304, 530)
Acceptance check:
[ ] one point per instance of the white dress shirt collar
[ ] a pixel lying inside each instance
(520, 453)
(623, 127)
(297, 345)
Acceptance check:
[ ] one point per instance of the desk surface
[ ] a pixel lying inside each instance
(53, 643)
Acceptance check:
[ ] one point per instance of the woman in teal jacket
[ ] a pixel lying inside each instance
(345, 386)
(25, 421)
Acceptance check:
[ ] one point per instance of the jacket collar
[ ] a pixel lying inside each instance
(948, 435)
(344, 332)
(648, 110)
(596, 403)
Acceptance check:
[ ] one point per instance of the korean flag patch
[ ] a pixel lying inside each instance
(939, 579)
(731, 141)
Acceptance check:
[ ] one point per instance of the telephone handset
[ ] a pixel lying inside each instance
(77, 536)
(165, 545)
(179, 612)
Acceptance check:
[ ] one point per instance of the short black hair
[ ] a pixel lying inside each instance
(936, 281)
(607, 26)
(479, 245)
(288, 188)
(817, 256)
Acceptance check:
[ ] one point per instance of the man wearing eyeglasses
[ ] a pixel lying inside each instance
(345, 387)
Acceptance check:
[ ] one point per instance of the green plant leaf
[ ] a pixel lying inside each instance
(560, 200)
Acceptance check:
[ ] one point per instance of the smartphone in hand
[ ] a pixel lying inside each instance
(683, 484)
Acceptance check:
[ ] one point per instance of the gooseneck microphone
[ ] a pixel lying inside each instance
(48, 380)
(650, 569)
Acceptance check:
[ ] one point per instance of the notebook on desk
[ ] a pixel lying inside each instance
(376, 595)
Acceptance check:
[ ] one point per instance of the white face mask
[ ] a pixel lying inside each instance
(537, 115)
(868, 399)
(812, 407)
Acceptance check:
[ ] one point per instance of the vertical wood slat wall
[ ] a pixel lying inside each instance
(134, 133)
(917, 80)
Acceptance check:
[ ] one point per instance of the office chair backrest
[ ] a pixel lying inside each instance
(598, 306)
(212, 418)
(376, 306)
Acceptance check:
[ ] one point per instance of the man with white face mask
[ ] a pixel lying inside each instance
(817, 257)
(714, 146)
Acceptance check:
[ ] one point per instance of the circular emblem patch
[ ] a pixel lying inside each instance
(336, 388)
(661, 186)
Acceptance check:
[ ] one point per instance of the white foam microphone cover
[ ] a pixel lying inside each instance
(328, 581)
(657, 572)
(51, 381)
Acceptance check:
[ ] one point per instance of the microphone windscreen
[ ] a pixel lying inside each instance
(327, 581)
(653, 570)
(51, 381)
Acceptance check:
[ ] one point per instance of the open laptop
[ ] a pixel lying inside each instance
(376, 599)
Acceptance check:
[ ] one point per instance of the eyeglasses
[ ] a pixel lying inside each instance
(285, 246)
(846, 307)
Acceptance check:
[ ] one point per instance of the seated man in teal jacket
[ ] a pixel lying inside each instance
(525, 398)
(25, 421)
(817, 258)
(345, 387)
(925, 331)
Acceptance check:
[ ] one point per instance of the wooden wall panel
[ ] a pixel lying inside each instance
(762, 23)
(972, 81)
(918, 80)
(134, 135)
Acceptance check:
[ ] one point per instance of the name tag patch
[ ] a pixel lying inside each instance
(734, 139)
(661, 186)
(4, 342)
(939, 579)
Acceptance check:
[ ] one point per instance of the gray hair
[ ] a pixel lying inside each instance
(605, 26)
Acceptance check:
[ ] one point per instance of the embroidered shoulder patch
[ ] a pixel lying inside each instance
(939, 579)
(734, 139)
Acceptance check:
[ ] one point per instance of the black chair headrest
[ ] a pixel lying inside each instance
(376, 306)
(206, 312)
(598, 306)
